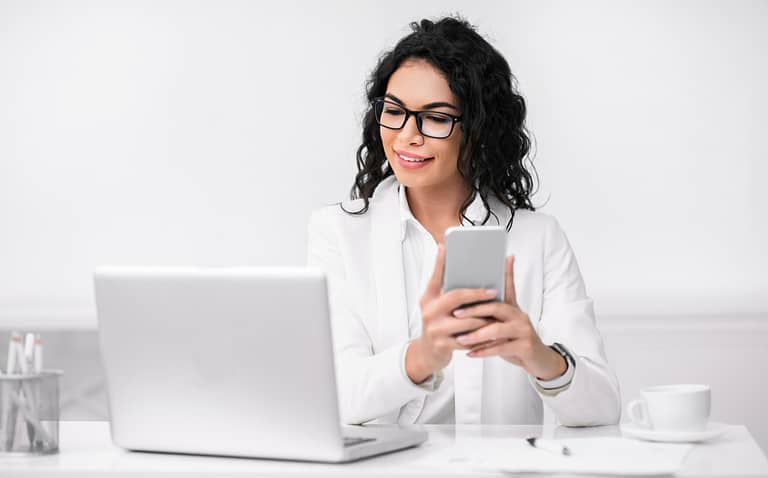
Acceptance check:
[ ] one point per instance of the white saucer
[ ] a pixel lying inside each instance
(637, 431)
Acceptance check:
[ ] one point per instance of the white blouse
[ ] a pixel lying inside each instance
(377, 264)
(419, 254)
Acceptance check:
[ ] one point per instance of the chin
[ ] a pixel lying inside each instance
(419, 178)
(411, 180)
(416, 183)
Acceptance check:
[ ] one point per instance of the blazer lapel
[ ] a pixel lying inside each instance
(387, 254)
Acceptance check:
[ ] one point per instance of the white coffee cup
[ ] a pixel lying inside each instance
(672, 407)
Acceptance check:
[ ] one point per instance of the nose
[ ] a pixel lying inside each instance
(410, 132)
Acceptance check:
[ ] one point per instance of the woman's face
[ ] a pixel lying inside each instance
(419, 161)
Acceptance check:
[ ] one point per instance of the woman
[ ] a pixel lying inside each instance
(443, 145)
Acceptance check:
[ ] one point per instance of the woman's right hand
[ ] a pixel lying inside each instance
(433, 350)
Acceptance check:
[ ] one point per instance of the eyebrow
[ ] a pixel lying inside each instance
(436, 104)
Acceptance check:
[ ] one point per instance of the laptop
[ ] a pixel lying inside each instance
(235, 362)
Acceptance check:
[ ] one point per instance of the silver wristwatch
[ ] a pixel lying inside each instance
(559, 348)
(561, 382)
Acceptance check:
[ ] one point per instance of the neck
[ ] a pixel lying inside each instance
(437, 208)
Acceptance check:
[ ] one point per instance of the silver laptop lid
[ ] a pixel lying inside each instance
(219, 361)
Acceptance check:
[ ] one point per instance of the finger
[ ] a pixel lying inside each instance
(456, 298)
(490, 332)
(490, 343)
(454, 327)
(435, 284)
(510, 296)
(492, 350)
(497, 310)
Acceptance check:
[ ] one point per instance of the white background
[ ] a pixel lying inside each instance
(203, 133)
(183, 133)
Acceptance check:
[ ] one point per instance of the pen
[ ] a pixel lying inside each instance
(549, 446)
(38, 354)
(37, 363)
(29, 348)
(14, 351)
(25, 353)
(13, 345)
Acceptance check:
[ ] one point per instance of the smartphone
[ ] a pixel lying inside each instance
(475, 258)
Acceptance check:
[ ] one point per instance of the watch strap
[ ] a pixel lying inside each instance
(561, 382)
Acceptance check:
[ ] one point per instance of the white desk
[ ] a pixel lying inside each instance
(86, 450)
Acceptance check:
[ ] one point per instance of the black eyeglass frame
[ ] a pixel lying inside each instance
(416, 114)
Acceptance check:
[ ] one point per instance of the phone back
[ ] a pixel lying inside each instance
(475, 258)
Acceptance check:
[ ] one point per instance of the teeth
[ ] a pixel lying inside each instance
(411, 160)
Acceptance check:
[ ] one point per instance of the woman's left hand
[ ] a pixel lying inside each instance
(512, 337)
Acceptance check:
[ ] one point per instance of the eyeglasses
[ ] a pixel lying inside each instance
(432, 124)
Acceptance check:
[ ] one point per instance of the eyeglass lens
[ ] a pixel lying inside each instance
(430, 123)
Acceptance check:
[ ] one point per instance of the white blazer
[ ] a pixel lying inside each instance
(362, 257)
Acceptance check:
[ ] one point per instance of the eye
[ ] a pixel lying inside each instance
(393, 111)
(438, 119)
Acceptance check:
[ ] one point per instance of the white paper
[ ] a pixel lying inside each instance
(606, 455)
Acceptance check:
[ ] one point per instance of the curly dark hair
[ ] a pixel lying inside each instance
(495, 142)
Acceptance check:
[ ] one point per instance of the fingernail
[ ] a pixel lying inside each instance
(470, 354)
(462, 339)
(458, 312)
(491, 292)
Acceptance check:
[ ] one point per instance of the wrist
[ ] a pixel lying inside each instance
(551, 365)
(415, 366)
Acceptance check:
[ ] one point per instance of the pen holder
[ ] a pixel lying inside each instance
(29, 413)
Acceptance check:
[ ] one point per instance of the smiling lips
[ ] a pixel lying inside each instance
(412, 161)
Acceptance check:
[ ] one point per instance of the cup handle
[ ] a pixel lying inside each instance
(638, 412)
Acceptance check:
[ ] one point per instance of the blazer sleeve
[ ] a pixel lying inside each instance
(568, 317)
(370, 386)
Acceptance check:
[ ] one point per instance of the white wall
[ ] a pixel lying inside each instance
(179, 132)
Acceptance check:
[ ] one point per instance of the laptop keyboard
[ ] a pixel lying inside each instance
(352, 441)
